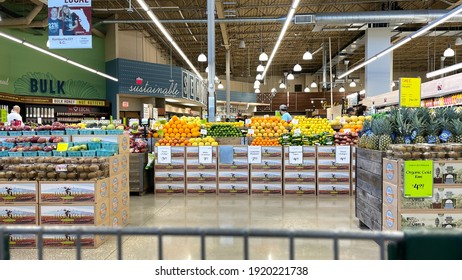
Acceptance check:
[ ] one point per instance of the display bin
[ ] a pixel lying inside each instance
(43, 133)
(201, 178)
(14, 133)
(72, 131)
(94, 145)
(300, 179)
(99, 132)
(44, 154)
(59, 154)
(3, 133)
(74, 153)
(88, 153)
(110, 146)
(18, 192)
(4, 153)
(58, 132)
(169, 178)
(15, 154)
(30, 154)
(85, 131)
(28, 133)
(233, 172)
(115, 132)
(138, 175)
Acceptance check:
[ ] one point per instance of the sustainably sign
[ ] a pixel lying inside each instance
(409, 92)
(418, 178)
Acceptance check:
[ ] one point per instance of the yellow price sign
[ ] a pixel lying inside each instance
(409, 92)
(62, 147)
(418, 178)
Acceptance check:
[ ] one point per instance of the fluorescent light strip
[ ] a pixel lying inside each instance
(169, 38)
(406, 39)
(57, 56)
(444, 70)
(281, 35)
(143, 5)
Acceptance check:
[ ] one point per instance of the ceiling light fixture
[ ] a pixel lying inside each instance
(290, 77)
(259, 77)
(220, 86)
(257, 83)
(314, 84)
(444, 70)
(458, 41)
(342, 89)
(307, 55)
(393, 84)
(406, 39)
(352, 84)
(263, 56)
(288, 21)
(260, 68)
(206, 69)
(297, 68)
(57, 56)
(274, 90)
(282, 85)
(449, 52)
(202, 58)
(257, 90)
(169, 37)
(242, 44)
(307, 89)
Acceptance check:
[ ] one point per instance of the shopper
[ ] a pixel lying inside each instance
(14, 118)
(55, 25)
(284, 114)
(70, 21)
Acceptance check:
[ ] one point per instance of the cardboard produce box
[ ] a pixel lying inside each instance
(430, 219)
(333, 177)
(233, 188)
(309, 152)
(74, 192)
(266, 188)
(125, 162)
(176, 153)
(307, 165)
(176, 164)
(121, 220)
(172, 177)
(18, 192)
(114, 165)
(193, 153)
(70, 241)
(391, 172)
(299, 177)
(266, 177)
(271, 152)
(233, 177)
(21, 241)
(390, 217)
(447, 198)
(390, 194)
(166, 188)
(119, 203)
(202, 188)
(268, 165)
(201, 177)
(326, 152)
(14, 214)
(236, 165)
(300, 188)
(331, 165)
(334, 188)
(447, 172)
(95, 214)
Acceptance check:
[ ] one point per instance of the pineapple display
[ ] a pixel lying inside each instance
(456, 125)
(385, 129)
(373, 141)
(404, 126)
(450, 114)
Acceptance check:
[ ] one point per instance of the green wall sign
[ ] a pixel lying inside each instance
(28, 72)
(418, 178)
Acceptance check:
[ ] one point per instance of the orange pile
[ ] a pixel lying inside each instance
(173, 142)
(177, 128)
(265, 142)
(268, 127)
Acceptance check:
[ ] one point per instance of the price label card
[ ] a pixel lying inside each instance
(297, 132)
(248, 121)
(347, 130)
(250, 131)
(266, 116)
(61, 167)
(62, 147)
(418, 178)
(342, 154)
(295, 154)
(39, 120)
(164, 154)
(294, 121)
(204, 131)
(205, 154)
(254, 154)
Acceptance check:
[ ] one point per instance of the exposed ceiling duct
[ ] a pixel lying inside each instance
(24, 20)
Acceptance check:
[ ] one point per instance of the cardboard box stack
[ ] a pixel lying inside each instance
(353, 169)
(266, 177)
(19, 206)
(201, 178)
(233, 170)
(300, 179)
(333, 178)
(119, 194)
(169, 178)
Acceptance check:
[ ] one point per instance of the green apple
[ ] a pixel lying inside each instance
(110, 126)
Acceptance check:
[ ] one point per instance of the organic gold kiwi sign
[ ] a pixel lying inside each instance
(418, 178)
(409, 92)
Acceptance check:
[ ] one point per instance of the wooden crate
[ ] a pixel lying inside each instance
(138, 174)
(369, 194)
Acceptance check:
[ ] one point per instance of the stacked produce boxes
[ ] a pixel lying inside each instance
(233, 170)
(300, 173)
(201, 169)
(169, 178)
(333, 178)
(119, 195)
(266, 177)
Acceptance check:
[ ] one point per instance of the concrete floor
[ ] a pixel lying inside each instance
(238, 211)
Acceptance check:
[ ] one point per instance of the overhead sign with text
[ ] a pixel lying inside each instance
(409, 92)
(69, 24)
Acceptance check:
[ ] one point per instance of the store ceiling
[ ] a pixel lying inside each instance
(421, 55)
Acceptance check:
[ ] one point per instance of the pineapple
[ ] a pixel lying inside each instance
(456, 125)
(419, 125)
(450, 114)
(404, 127)
(373, 141)
(385, 130)
(363, 140)
(433, 129)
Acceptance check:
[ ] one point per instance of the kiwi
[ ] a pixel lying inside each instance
(2, 174)
(62, 175)
(51, 167)
(17, 168)
(71, 168)
(94, 160)
(51, 175)
(41, 174)
(67, 160)
(100, 173)
(81, 160)
(71, 175)
(94, 167)
(74, 160)
(60, 161)
(30, 168)
(88, 160)
(32, 174)
(9, 174)
(92, 175)
(86, 168)
(25, 175)
(83, 175)
(79, 168)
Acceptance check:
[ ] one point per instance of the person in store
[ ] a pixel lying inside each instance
(14, 118)
(350, 112)
(69, 20)
(284, 114)
(55, 25)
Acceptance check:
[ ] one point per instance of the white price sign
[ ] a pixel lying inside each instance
(61, 167)
(294, 121)
(295, 154)
(250, 131)
(266, 116)
(297, 132)
(248, 121)
(342, 154)
(204, 131)
(254, 154)
(164, 154)
(205, 154)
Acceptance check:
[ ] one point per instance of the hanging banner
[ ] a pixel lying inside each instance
(409, 92)
(69, 24)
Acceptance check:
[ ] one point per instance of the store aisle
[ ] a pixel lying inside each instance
(274, 212)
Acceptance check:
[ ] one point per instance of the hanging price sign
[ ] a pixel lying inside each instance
(164, 154)
(205, 154)
(204, 131)
(254, 154)
(342, 154)
(295, 154)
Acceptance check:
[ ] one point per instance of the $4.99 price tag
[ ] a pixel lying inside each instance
(254, 154)
(164, 154)
(418, 178)
(205, 154)
(295, 154)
